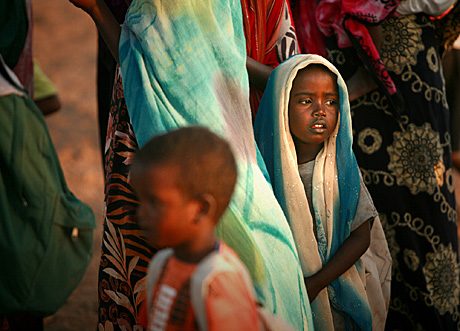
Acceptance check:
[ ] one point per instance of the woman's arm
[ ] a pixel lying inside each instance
(347, 255)
(258, 73)
(362, 82)
(105, 22)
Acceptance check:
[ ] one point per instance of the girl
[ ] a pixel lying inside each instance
(303, 130)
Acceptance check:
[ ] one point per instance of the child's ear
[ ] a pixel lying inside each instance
(207, 208)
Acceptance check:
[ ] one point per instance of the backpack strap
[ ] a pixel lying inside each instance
(216, 262)
(199, 288)
(155, 268)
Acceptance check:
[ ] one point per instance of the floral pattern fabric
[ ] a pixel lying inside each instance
(406, 165)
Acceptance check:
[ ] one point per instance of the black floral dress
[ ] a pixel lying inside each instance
(406, 164)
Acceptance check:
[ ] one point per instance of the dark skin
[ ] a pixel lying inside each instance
(105, 22)
(110, 31)
(49, 105)
(361, 82)
(170, 217)
(345, 257)
(258, 73)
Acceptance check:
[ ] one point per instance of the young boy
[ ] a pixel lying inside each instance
(303, 130)
(184, 180)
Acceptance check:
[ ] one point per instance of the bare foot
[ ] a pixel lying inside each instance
(49, 104)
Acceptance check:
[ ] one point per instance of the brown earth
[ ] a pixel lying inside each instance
(65, 45)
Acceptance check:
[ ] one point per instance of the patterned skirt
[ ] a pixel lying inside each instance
(125, 254)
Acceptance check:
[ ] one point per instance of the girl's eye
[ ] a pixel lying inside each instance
(330, 102)
(305, 101)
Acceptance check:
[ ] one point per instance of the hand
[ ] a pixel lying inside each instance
(313, 287)
(105, 22)
(360, 83)
(86, 5)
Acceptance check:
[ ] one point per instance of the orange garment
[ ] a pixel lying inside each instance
(171, 307)
(230, 304)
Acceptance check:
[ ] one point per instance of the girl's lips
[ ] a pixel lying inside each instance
(318, 127)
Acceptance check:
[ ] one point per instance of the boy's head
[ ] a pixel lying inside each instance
(181, 178)
(313, 109)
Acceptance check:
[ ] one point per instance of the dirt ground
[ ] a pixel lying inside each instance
(65, 45)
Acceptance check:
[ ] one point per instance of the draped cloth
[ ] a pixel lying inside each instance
(347, 20)
(304, 11)
(183, 63)
(336, 185)
(270, 36)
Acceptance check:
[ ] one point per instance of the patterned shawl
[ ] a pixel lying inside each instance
(270, 36)
(184, 63)
(348, 21)
(336, 183)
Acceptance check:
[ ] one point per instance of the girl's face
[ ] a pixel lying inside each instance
(313, 110)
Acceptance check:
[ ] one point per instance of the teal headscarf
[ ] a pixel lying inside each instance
(336, 180)
(184, 63)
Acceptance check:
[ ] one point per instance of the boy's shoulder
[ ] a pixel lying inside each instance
(222, 259)
(160, 258)
(220, 272)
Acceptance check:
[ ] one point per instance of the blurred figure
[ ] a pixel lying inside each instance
(193, 173)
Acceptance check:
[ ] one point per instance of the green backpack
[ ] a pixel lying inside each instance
(46, 233)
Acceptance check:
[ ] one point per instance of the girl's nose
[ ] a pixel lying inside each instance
(319, 110)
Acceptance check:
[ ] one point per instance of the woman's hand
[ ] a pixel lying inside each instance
(105, 22)
(86, 5)
(360, 83)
